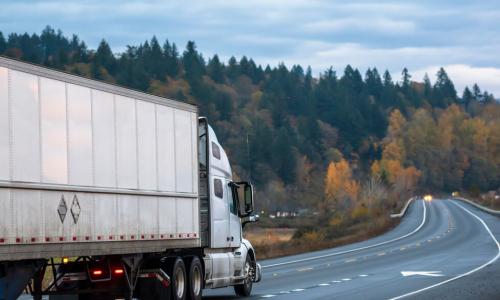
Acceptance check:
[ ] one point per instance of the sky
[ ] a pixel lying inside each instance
(461, 36)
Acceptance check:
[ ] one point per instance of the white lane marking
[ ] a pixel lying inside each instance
(424, 217)
(464, 274)
(323, 284)
(363, 275)
(346, 279)
(285, 292)
(336, 281)
(304, 269)
(268, 296)
(422, 273)
(298, 290)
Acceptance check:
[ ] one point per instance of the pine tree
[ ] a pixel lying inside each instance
(467, 97)
(388, 79)
(476, 92)
(405, 80)
(193, 63)
(427, 87)
(215, 69)
(155, 62)
(104, 57)
(284, 158)
(3, 44)
(444, 89)
(232, 70)
(171, 55)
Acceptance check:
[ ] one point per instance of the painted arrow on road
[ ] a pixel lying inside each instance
(422, 273)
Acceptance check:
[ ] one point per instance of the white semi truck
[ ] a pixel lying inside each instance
(114, 193)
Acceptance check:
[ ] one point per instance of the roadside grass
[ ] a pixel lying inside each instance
(265, 236)
(278, 245)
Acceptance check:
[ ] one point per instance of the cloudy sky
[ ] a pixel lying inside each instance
(422, 35)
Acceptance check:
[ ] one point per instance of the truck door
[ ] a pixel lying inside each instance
(220, 213)
(234, 219)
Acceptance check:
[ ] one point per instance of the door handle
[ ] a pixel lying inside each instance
(228, 239)
(232, 238)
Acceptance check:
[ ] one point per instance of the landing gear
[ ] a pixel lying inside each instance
(245, 289)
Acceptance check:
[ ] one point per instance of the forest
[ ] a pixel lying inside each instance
(350, 140)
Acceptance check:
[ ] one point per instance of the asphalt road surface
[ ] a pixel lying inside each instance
(442, 249)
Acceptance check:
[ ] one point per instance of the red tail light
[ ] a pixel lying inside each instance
(118, 272)
(97, 272)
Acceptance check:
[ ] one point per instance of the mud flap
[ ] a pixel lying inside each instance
(15, 277)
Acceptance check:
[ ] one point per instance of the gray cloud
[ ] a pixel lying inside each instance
(463, 35)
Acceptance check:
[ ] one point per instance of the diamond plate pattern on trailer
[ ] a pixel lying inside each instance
(75, 209)
(62, 209)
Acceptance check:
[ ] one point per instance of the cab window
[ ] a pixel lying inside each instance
(232, 198)
(215, 150)
(218, 188)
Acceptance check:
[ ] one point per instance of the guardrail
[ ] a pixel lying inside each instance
(405, 208)
(485, 209)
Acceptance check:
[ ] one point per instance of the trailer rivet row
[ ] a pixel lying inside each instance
(19, 240)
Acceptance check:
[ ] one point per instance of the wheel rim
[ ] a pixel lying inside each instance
(180, 282)
(248, 279)
(196, 281)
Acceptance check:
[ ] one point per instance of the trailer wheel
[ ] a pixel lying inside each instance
(195, 286)
(245, 289)
(179, 280)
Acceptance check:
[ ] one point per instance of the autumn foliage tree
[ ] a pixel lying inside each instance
(340, 188)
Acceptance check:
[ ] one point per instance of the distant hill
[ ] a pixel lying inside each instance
(295, 124)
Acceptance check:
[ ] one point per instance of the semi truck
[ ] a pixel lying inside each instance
(107, 192)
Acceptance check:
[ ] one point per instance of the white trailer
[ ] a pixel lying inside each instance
(135, 188)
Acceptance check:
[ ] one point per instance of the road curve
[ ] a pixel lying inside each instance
(447, 250)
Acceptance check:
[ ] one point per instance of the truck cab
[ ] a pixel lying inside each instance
(229, 258)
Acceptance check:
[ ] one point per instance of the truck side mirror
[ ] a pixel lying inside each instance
(248, 194)
(244, 192)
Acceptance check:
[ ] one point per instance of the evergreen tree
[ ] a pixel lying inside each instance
(215, 69)
(193, 63)
(444, 89)
(476, 92)
(232, 70)
(388, 83)
(427, 87)
(284, 158)
(154, 61)
(171, 55)
(3, 43)
(405, 80)
(373, 83)
(104, 57)
(467, 97)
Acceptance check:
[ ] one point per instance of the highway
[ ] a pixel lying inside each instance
(442, 249)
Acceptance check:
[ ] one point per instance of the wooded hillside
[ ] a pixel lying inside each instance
(303, 130)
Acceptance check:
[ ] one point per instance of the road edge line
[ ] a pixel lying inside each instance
(479, 206)
(424, 218)
(464, 274)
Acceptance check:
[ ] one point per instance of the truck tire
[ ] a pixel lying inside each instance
(195, 286)
(245, 289)
(179, 280)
